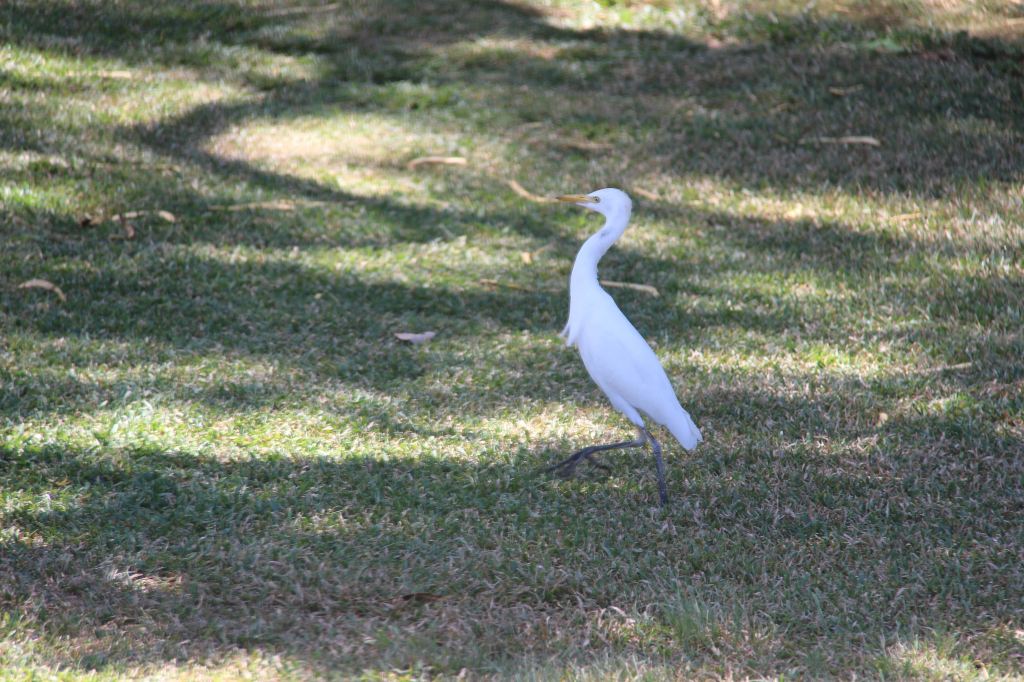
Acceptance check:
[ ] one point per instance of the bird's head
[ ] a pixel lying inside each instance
(607, 202)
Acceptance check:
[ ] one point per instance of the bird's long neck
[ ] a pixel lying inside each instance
(584, 270)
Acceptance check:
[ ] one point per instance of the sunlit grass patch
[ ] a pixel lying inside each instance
(217, 460)
(939, 656)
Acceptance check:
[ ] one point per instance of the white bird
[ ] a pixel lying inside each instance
(618, 359)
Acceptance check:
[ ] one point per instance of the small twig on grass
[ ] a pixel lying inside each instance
(128, 230)
(940, 369)
(289, 11)
(843, 92)
(583, 144)
(646, 194)
(121, 217)
(436, 160)
(646, 288)
(526, 194)
(529, 256)
(846, 139)
(415, 337)
(43, 284)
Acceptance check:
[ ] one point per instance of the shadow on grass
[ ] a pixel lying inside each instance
(221, 296)
(749, 114)
(142, 555)
(328, 331)
(137, 555)
(750, 111)
(165, 555)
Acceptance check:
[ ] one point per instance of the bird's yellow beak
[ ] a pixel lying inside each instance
(578, 199)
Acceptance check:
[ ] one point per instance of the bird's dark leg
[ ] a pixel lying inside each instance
(568, 465)
(660, 464)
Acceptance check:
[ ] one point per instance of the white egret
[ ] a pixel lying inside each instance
(618, 359)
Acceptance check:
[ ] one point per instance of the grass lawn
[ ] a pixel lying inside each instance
(216, 459)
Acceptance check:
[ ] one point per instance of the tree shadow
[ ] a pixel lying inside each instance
(151, 555)
(164, 556)
(140, 555)
(326, 331)
(750, 114)
(748, 111)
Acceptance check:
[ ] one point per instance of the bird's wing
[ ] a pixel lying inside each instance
(619, 359)
(625, 367)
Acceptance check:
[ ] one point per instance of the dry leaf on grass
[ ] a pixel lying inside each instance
(529, 256)
(437, 160)
(583, 144)
(119, 75)
(846, 139)
(646, 194)
(646, 288)
(415, 338)
(843, 92)
(120, 217)
(859, 139)
(166, 215)
(280, 205)
(524, 193)
(304, 9)
(942, 369)
(129, 231)
(43, 284)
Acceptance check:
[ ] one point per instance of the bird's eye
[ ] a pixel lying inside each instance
(597, 200)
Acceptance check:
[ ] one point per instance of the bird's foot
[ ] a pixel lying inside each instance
(567, 467)
(563, 471)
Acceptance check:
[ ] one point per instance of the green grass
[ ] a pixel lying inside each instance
(216, 460)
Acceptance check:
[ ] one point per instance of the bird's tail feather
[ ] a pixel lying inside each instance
(685, 431)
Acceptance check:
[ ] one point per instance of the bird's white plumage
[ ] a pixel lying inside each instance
(617, 357)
